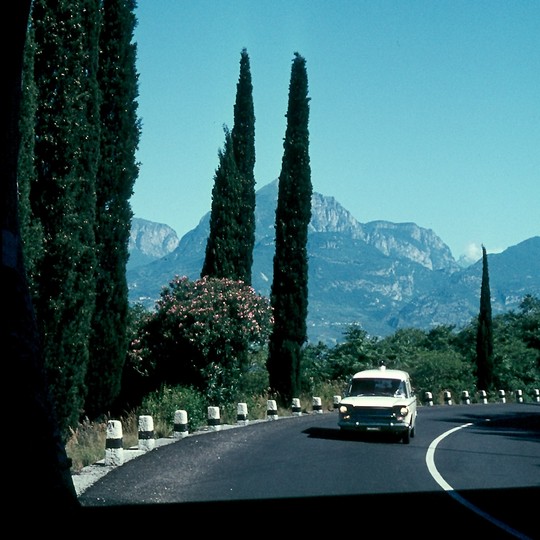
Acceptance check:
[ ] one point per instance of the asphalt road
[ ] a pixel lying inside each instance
(469, 468)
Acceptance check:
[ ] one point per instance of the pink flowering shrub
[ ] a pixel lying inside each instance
(202, 332)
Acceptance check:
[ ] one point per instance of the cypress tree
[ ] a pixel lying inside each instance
(222, 244)
(116, 176)
(243, 140)
(62, 194)
(31, 230)
(46, 484)
(289, 292)
(484, 332)
(229, 248)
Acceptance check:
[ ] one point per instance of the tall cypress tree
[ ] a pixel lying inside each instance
(47, 484)
(222, 244)
(243, 141)
(117, 171)
(484, 332)
(62, 194)
(289, 292)
(229, 248)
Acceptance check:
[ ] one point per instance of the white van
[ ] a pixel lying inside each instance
(380, 400)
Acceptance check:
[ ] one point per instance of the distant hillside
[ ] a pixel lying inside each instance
(381, 275)
(149, 242)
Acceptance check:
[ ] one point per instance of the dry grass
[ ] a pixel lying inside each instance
(86, 445)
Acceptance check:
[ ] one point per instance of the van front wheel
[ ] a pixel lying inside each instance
(406, 437)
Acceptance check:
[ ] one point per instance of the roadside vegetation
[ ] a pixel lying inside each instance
(439, 360)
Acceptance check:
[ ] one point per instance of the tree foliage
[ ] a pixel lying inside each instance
(439, 359)
(62, 194)
(221, 255)
(31, 226)
(229, 248)
(484, 333)
(198, 332)
(115, 179)
(516, 358)
(77, 170)
(44, 481)
(530, 324)
(356, 353)
(243, 143)
(289, 291)
(437, 371)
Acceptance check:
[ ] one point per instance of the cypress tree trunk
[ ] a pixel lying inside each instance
(289, 293)
(42, 479)
(116, 176)
(484, 333)
(62, 196)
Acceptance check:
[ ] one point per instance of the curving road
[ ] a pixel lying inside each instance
(469, 467)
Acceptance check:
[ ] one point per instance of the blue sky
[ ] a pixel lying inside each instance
(420, 111)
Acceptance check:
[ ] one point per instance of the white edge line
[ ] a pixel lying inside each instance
(430, 461)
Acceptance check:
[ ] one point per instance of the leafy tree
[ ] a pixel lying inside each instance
(484, 333)
(316, 366)
(399, 349)
(516, 364)
(441, 337)
(116, 176)
(63, 193)
(530, 322)
(199, 328)
(44, 481)
(437, 371)
(433, 358)
(356, 353)
(465, 341)
(289, 291)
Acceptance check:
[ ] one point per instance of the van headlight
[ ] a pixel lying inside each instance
(401, 412)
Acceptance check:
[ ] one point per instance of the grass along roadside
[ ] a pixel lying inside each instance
(87, 443)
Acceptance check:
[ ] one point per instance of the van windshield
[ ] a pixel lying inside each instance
(377, 387)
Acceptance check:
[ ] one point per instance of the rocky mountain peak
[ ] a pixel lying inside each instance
(410, 241)
(149, 241)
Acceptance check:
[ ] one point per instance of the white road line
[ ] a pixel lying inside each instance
(430, 461)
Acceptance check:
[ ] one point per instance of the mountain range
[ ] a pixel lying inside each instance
(380, 275)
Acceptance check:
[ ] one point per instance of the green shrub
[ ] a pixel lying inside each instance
(163, 403)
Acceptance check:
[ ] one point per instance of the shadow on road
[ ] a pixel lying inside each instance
(346, 435)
